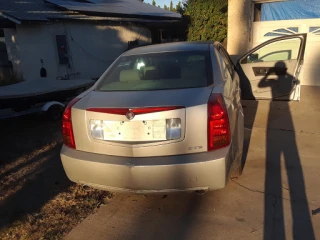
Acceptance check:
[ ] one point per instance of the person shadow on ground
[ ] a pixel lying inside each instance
(281, 150)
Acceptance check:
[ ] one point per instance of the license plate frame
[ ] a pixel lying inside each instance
(135, 131)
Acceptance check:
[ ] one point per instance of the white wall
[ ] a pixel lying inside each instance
(93, 47)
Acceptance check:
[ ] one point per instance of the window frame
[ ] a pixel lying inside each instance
(227, 60)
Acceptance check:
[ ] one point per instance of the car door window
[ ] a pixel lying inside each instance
(278, 51)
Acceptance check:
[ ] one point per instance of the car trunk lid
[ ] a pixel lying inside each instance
(142, 123)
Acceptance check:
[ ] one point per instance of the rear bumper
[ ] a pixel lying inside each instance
(202, 171)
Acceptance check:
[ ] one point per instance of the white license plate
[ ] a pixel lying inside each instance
(135, 130)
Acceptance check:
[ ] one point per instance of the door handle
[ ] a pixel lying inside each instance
(260, 71)
(263, 71)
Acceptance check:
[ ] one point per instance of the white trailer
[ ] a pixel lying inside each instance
(40, 96)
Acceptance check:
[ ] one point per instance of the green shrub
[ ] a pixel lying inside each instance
(208, 20)
(9, 79)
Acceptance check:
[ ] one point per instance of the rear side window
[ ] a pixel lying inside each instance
(159, 71)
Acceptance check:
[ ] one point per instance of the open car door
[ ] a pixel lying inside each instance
(270, 71)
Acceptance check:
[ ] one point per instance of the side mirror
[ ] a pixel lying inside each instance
(254, 57)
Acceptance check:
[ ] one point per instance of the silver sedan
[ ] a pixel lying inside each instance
(162, 118)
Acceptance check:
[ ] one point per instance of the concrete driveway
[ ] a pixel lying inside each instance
(277, 197)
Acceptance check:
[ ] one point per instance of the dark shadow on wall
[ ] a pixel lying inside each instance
(281, 147)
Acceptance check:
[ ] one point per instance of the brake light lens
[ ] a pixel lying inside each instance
(218, 123)
(67, 131)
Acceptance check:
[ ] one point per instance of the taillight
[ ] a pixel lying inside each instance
(67, 131)
(218, 123)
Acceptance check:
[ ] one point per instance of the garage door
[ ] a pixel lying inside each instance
(263, 31)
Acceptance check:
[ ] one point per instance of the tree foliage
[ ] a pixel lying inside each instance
(171, 6)
(208, 19)
(179, 8)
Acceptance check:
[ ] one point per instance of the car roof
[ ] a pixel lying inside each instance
(170, 47)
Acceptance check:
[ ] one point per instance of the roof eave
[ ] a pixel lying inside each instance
(97, 14)
(12, 19)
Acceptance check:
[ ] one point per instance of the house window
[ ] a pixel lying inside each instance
(314, 30)
(62, 47)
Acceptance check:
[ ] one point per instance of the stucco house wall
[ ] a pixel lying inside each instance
(92, 47)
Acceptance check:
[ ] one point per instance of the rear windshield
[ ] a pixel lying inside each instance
(158, 71)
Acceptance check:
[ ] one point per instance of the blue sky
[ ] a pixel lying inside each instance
(162, 2)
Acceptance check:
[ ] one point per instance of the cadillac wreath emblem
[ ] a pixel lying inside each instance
(130, 115)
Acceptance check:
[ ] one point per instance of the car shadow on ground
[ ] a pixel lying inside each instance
(31, 171)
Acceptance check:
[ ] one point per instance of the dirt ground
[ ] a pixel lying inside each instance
(37, 201)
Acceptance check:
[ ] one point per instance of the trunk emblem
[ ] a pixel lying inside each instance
(130, 115)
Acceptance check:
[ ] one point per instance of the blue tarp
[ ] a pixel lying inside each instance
(289, 10)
